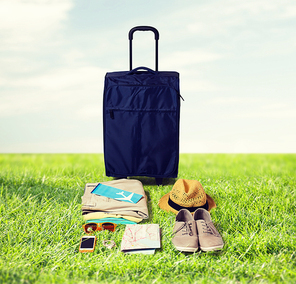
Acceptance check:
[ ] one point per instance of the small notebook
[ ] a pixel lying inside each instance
(141, 238)
(116, 193)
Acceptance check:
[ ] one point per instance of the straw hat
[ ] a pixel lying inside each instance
(187, 194)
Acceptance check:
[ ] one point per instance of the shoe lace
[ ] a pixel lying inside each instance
(209, 228)
(186, 229)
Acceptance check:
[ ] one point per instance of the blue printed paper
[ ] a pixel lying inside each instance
(116, 193)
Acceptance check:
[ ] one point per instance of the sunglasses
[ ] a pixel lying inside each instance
(92, 227)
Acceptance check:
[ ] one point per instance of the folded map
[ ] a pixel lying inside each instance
(140, 238)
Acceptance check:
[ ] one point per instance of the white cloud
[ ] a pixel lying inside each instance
(191, 86)
(92, 144)
(232, 101)
(221, 17)
(250, 107)
(187, 64)
(270, 112)
(32, 21)
(90, 112)
(190, 57)
(62, 78)
(63, 87)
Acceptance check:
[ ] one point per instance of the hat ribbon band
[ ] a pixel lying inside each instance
(191, 209)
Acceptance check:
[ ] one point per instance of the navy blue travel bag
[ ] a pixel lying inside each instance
(141, 113)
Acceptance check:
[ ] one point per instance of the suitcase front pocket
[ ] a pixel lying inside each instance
(159, 149)
(141, 142)
(120, 140)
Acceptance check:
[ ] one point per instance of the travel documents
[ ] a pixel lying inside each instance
(116, 193)
(141, 239)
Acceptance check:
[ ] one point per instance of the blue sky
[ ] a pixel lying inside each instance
(236, 61)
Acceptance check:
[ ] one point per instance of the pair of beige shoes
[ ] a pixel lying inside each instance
(193, 232)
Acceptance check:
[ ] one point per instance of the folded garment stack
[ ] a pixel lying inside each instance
(121, 201)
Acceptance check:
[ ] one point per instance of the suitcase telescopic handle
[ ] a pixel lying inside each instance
(156, 36)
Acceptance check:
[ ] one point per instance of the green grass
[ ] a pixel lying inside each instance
(41, 223)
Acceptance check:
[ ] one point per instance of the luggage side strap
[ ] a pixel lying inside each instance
(156, 36)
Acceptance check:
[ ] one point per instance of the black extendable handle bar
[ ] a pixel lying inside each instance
(156, 36)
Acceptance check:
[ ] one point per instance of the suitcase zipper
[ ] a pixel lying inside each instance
(148, 86)
(111, 112)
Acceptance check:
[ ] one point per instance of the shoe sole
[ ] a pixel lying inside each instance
(211, 248)
(187, 249)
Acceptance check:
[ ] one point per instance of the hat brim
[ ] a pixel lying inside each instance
(164, 203)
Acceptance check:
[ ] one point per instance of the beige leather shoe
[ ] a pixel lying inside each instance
(209, 237)
(185, 234)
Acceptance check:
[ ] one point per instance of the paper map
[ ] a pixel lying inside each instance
(141, 237)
